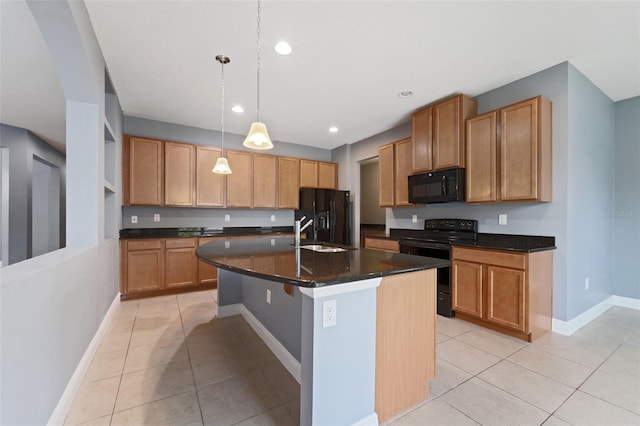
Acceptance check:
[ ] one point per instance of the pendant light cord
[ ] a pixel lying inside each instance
(258, 66)
(222, 109)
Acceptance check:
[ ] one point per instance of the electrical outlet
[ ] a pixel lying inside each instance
(586, 283)
(329, 313)
(414, 218)
(502, 219)
(227, 244)
(273, 242)
(227, 218)
(134, 219)
(273, 218)
(156, 217)
(268, 296)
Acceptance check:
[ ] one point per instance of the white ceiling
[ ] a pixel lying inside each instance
(350, 59)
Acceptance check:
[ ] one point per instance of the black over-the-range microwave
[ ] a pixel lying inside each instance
(439, 186)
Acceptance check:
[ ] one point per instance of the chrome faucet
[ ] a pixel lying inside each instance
(298, 228)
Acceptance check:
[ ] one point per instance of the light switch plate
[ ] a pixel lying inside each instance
(502, 219)
(227, 218)
(414, 218)
(156, 217)
(273, 218)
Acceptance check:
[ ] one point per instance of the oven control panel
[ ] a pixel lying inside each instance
(465, 225)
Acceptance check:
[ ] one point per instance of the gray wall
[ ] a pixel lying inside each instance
(370, 211)
(584, 134)
(626, 211)
(23, 147)
(52, 305)
(214, 218)
(590, 194)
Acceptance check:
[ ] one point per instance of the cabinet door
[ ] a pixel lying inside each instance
(264, 181)
(207, 274)
(209, 185)
(145, 172)
(466, 288)
(422, 140)
(179, 173)
(144, 269)
(308, 174)
(240, 182)
(482, 172)
(506, 299)
(402, 161)
(525, 151)
(288, 183)
(518, 151)
(327, 175)
(386, 175)
(180, 262)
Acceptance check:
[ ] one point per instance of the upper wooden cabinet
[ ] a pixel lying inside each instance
(327, 175)
(395, 165)
(525, 151)
(209, 185)
(308, 174)
(438, 134)
(519, 167)
(179, 174)
(318, 174)
(143, 171)
(165, 173)
(240, 182)
(288, 183)
(264, 180)
(482, 148)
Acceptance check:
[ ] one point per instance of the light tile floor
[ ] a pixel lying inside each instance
(169, 361)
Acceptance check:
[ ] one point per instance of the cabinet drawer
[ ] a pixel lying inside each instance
(144, 245)
(382, 244)
(181, 243)
(490, 257)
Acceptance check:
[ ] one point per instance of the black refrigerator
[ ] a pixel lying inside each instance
(330, 210)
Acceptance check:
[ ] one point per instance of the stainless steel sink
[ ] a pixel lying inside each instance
(323, 249)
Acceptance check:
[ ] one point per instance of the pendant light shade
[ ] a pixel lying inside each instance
(258, 138)
(222, 166)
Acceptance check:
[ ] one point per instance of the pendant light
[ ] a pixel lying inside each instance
(222, 165)
(258, 138)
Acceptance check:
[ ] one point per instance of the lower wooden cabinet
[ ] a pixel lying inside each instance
(505, 291)
(181, 268)
(383, 244)
(155, 266)
(142, 266)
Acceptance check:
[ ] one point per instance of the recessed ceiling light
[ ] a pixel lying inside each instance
(405, 94)
(237, 108)
(283, 48)
(333, 129)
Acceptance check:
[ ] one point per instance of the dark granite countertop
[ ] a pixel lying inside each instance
(134, 233)
(507, 242)
(277, 260)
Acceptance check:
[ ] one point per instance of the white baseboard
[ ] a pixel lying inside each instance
(69, 394)
(229, 310)
(569, 327)
(284, 356)
(370, 420)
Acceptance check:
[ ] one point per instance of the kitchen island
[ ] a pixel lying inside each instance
(357, 331)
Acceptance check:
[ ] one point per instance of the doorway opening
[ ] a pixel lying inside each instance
(45, 207)
(372, 216)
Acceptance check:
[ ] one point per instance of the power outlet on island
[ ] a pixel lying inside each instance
(268, 296)
(329, 313)
(227, 218)
(502, 219)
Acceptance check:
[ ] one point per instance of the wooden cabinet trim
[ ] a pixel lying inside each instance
(482, 157)
(382, 244)
(210, 187)
(179, 174)
(144, 244)
(491, 257)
